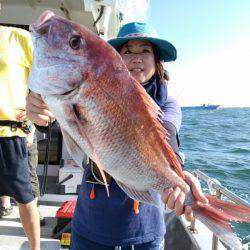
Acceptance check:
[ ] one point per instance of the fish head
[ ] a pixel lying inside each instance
(67, 60)
(65, 53)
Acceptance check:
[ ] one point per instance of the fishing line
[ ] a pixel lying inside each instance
(46, 161)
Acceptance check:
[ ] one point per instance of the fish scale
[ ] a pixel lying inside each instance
(100, 134)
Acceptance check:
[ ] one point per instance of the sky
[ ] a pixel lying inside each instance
(212, 38)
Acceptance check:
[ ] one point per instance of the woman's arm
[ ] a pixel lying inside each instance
(172, 113)
(173, 140)
(172, 121)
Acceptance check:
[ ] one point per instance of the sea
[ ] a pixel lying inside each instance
(217, 142)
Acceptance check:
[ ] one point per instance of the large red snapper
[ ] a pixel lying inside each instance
(104, 112)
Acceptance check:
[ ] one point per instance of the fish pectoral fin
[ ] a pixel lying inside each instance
(100, 168)
(74, 150)
(141, 196)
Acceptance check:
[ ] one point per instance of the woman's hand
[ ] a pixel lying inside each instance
(37, 110)
(174, 198)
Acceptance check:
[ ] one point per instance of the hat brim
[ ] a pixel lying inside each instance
(166, 50)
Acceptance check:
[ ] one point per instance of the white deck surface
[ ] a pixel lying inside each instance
(12, 236)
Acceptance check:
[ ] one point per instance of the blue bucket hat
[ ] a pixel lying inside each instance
(143, 31)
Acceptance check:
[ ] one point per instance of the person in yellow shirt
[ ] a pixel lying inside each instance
(15, 61)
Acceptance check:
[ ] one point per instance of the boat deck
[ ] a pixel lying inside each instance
(12, 236)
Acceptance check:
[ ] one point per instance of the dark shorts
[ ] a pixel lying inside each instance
(80, 243)
(14, 169)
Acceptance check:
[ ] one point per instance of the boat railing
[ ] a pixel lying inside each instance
(215, 188)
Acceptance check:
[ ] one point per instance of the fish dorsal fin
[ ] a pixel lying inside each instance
(154, 115)
(175, 163)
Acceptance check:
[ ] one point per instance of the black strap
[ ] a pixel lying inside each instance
(14, 125)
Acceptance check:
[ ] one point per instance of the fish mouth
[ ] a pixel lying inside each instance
(46, 15)
(69, 92)
(41, 26)
(65, 95)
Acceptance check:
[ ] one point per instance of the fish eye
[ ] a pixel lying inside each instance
(75, 42)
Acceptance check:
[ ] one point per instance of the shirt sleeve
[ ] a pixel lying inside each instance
(172, 112)
(172, 118)
(173, 140)
(26, 44)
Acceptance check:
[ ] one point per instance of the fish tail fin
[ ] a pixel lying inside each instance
(217, 214)
(233, 211)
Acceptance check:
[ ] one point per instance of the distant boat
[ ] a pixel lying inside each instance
(202, 107)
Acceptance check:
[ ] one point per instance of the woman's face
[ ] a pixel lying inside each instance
(139, 58)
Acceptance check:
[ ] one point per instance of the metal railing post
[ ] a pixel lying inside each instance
(192, 228)
(215, 240)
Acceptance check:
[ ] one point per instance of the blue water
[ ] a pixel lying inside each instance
(218, 143)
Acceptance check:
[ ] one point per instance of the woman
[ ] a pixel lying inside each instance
(101, 222)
